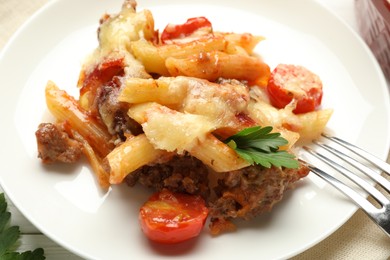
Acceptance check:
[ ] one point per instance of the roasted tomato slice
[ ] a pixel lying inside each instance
(290, 82)
(169, 217)
(176, 31)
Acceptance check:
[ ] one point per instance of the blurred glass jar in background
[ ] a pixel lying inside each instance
(373, 18)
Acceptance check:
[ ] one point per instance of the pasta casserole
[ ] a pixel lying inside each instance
(168, 110)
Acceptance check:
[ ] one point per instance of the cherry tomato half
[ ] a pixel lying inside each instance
(290, 81)
(169, 217)
(174, 31)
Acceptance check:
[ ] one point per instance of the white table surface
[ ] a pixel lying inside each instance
(344, 244)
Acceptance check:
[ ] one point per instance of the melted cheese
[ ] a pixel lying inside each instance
(220, 103)
(169, 129)
(116, 33)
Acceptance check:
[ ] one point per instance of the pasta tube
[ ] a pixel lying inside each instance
(134, 153)
(312, 124)
(94, 161)
(245, 41)
(217, 155)
(216, 64)
(154, 57)
(308, 125)
(149, 90)
(65, 108)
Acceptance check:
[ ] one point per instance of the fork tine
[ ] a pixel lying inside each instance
(380, 215)
(353, 177)
(362, 153)
(362, 168)
(349, 192)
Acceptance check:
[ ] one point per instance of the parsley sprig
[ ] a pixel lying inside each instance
(258, 145)
(9, 235)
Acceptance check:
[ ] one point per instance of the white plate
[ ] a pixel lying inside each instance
(65, 203)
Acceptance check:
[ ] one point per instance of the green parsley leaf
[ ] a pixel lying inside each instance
(10, 235)
(3, 203)
(258, 145)
(4, 219)
(37, 254)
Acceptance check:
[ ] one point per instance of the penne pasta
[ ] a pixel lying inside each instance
(136, 90)
(132, 154)
(216, 64)
(150, 57)
(217, 155)
(244, 41)
(153, 57)
(309, 125)
(95, 162)
(223, 104)
(66, 108)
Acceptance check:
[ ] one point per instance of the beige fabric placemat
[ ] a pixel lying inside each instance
(359, 238)
(13, 13)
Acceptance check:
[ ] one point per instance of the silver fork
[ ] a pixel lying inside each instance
(358, 161)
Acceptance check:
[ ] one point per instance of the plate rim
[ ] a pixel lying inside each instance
(52, 3)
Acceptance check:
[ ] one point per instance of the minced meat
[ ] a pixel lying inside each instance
(244, 193)
(55, 145)
(180, 174)
(248, 192)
